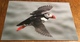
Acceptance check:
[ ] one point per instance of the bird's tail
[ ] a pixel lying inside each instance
(21, 27)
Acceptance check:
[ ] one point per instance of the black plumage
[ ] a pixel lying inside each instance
(30, 19)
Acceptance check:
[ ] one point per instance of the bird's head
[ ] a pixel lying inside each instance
(52, 16)
(49, 15)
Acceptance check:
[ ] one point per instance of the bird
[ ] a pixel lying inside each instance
(37, 19)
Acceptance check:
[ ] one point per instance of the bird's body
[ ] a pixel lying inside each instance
(33, 18)
(38, 17)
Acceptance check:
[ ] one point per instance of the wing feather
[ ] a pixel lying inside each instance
(45, 7)
(42, 9)
(40, 28)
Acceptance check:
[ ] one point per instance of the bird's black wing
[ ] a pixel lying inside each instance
(45, 7)
(42, 9)
(40, 28)
(26, 21)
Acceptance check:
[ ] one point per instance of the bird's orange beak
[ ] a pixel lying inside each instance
(53, 17)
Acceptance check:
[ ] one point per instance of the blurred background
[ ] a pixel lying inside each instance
(61, 28)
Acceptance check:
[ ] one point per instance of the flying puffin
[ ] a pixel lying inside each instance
(37, 19)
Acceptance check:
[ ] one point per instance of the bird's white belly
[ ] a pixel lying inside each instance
(44, 19)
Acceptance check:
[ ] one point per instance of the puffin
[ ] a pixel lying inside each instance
(37, 18)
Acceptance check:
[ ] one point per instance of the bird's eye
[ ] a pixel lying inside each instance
(48, 14)
(45, 13)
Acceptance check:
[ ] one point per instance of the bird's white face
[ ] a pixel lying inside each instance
(49, 15)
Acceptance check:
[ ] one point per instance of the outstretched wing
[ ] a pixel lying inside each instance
(40, 28)
(42, 9)
(46, 7)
